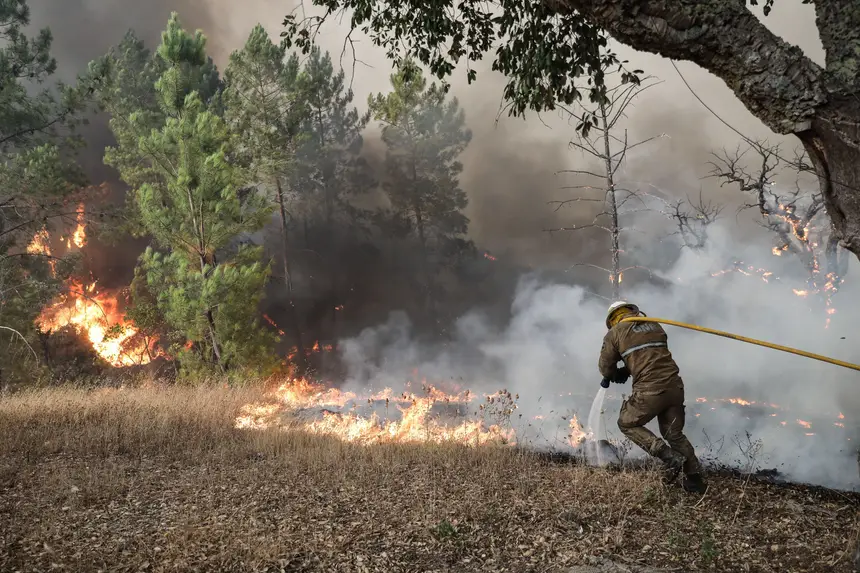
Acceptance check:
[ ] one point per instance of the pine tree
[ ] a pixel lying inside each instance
(187, 189)
(424, 135)
(38, 177)
(330, 172)
(264, 107)
(330, 169)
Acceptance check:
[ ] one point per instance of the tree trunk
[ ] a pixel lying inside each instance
(429, 300)
(776, 82)
(613, 208)
(293, 315)
(837, 165)
(210, 321)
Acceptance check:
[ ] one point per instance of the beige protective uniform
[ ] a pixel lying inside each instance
(658, 390)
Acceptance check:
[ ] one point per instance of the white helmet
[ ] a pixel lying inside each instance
(619, 304)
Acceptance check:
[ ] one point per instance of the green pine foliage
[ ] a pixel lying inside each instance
(187, 187)
(330, 170)
(424, 133)
(40, 182)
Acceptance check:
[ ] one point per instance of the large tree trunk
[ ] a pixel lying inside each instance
(837, 164)
(775, 81)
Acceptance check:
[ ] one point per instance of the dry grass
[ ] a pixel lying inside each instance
(158, 480)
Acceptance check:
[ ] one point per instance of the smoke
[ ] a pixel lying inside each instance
(548, 348)
(510, 166)
(547, 354)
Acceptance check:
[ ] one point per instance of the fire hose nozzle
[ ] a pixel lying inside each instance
(604, 383)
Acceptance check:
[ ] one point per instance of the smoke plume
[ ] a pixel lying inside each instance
(547, 350)
(547, 354)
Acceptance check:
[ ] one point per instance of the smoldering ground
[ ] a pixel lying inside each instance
(547, 355)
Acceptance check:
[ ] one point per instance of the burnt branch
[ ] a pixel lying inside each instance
(794, 215)
(692, 220)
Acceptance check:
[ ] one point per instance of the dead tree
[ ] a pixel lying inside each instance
(796, 217)
(692, 220)
(609, 145)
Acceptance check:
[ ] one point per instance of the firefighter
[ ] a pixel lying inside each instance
(658, 392)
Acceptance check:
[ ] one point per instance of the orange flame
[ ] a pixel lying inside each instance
(578, 435)
(96, 316)
(415, 424)
(41, 245)
(272, 322)
(79, 236)
(93, 314)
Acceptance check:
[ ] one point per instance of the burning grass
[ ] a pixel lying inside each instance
(161, 479)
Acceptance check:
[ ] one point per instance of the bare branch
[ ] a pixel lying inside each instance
(560, 204)
(577, 228)
(21, 336)
(580, 172)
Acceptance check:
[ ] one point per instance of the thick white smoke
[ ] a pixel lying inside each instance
(548, 351)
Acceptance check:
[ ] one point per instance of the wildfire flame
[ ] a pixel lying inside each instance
(578, 435)
(415, 422)
(272, 322)
(79, 237)
(406, 417)
(41, 245)
(96, 316)
(93, 314)
(825, 287)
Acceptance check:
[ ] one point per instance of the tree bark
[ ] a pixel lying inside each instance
(786, 90)
(210, 321)
(293, 315)
(614, 231)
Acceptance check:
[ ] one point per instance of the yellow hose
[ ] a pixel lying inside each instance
(744, 339)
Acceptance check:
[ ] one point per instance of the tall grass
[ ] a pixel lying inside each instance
(183, 423)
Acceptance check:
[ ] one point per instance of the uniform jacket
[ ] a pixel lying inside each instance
(644, 349)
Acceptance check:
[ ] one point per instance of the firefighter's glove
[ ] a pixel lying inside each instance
(622, 375)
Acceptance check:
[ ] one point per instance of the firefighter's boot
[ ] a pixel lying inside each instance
(694, 483)
(673, 462)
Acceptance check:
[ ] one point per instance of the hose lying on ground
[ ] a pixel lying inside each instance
(744, 339)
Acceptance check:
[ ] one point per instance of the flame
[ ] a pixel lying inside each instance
(488, 256)
(95, 315)
(79, 237)
(415, 422)
(387, 416)
(740, 402)
(272, 322)
(825, 287)
(578, 435)
(41, 245)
